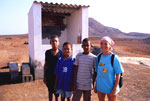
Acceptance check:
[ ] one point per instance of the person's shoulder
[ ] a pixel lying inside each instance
(60, 58)
(92, 55)
(80, 54)
(60, 50)
(72, 59)
(48, 51)
(115, 56)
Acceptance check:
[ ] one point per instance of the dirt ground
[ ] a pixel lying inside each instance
(136, 85)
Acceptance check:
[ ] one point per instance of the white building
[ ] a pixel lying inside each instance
(69, 22)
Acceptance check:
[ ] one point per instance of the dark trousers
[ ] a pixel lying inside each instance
(78, 93)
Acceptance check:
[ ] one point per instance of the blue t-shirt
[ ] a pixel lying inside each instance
(64, 71)
(106, 74)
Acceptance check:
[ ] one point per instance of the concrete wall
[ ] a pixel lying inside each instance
(77, 23)
(85, 23)
(63, 37)
(74, 26)
(31, 33)
(36, 50)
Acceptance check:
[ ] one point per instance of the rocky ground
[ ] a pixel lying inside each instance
(134, 55)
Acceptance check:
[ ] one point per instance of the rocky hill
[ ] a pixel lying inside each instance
(96, 29)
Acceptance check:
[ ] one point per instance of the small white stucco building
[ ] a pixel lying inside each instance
(69, 22)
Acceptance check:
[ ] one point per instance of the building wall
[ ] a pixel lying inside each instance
(74, 26)
(85, 25)
(63, 37)
(31, 34)
(36, 50)
(77, 23)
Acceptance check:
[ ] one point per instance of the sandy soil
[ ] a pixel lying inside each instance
(134, 55)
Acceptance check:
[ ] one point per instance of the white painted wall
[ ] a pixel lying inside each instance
(63, 37)
(74, 26)
(85, 23)
(77, 23)
(35, 40)
(31, 33)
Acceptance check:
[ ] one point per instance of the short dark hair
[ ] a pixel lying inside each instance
(67, 43)
(52, 37)
(85, 40)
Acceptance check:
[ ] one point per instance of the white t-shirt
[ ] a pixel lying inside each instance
(86, 64)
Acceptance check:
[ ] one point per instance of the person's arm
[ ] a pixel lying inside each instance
(94, 78)
(75, 77)
(76, 63)
(118, 69)
(116, 84)
(45, 66)
(94, 82)
(56, 80)
(56, 74)
(94, 75)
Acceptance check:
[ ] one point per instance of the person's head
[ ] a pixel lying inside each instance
(67, 49)
(106, 44)
(86, 45)
(54, 41)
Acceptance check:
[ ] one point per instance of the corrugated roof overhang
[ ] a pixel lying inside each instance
(59, 9)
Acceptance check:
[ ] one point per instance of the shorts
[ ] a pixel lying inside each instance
(65, 94)
(50, 83)
(51, 90)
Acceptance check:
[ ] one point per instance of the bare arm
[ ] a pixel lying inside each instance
(56, 80)
(94, 78)
(75, 77)
(116, 84)
(45, 66)
(94, 82)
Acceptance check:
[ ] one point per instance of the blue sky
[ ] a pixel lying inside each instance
(14, 16)
(126, 15)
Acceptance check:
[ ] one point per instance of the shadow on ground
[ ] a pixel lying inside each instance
(5, 77)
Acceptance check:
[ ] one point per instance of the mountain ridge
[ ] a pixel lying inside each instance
(96, 29)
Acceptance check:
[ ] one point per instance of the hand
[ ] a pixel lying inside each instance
(113, 92)
(73, 87)
(55, 87)
(95, 90)
(44, 80)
